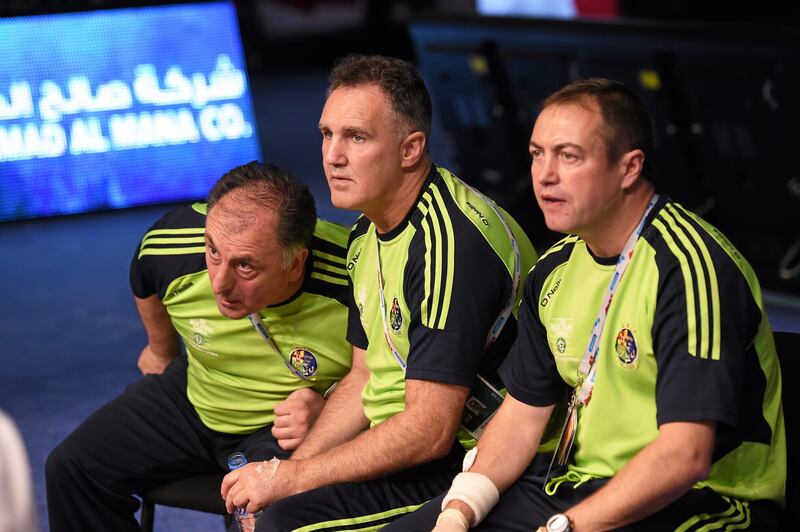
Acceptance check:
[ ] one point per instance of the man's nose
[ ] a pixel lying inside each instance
(221, 281)
(333, 153)
(545, 170)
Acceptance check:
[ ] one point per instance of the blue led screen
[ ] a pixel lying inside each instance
(115, 108)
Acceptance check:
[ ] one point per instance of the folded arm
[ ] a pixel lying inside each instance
(163, 343)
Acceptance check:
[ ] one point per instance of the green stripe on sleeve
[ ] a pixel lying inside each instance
(330, 268)
(436, 270)
(449, 272)
(691, 319)
(702, 289)
(328, 256)
(712, 290)
(176, 240)
(425, 311)
(171, 251)
(328, 278)
(184, 231)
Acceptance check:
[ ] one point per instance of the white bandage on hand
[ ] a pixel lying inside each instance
(266, 470)
(476, 491)
(451, 520)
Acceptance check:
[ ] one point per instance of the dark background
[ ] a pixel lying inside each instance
(724, 107)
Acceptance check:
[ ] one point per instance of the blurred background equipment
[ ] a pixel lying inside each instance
(721, 99)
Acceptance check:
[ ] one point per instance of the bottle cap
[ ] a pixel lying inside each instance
(236, 460)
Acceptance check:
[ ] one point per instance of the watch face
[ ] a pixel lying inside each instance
(558, 523)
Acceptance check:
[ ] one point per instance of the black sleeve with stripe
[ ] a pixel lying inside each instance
(720, 378)
(451, 350)
(152, 273)
(355, 331)
(529, 372)
(328, 268)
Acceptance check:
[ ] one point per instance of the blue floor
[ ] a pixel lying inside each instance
(69, 333)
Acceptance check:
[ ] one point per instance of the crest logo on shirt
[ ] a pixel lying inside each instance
(626, 348)
(304, 361)
(559, 333)
(395, 317)
(561, 344)
(201, 328)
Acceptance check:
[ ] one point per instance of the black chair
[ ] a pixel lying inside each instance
(788, 345)
(199, 493)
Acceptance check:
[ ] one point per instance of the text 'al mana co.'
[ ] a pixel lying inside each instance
(194, 119)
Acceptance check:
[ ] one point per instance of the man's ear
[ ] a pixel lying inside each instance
(631, 165)
(296, 268)
(413, 148)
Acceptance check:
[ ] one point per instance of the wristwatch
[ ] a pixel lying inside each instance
(559, 523)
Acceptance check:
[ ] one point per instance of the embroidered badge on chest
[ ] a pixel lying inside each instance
(561, 329)
(395, 316)
(561, 344)
(304, 361)
(626, 348)
(202, 329)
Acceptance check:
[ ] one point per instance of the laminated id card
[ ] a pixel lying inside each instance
(482, 402)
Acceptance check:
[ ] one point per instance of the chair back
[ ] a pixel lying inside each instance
(788, 346)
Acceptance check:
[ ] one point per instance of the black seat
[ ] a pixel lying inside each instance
(788, 346)
(199, 493)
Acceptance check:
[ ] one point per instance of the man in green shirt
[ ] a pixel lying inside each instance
(435, 269)
(653, 322)
(255, 287)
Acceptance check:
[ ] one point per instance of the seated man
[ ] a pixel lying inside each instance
(675, 420)
(255, 286)
(435, 269)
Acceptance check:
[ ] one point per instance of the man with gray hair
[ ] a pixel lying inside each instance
(255, 287)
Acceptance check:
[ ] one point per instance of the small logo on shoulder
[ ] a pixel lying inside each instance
(354, 260)
(480, 215)
(626, 348)
(179, 290)
(550, 293)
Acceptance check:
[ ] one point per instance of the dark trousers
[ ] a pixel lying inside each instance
(364, 505)
(525, 506)
(148, 435)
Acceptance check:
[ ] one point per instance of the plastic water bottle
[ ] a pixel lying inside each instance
(246, 520)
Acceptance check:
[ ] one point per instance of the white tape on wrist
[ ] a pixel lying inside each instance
(451, 514)
(271, 467)
(469, 459)
(476, 491)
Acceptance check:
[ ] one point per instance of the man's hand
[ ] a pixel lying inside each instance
(150, 362)
(258, 484)
(451, 520)
(295, 416)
